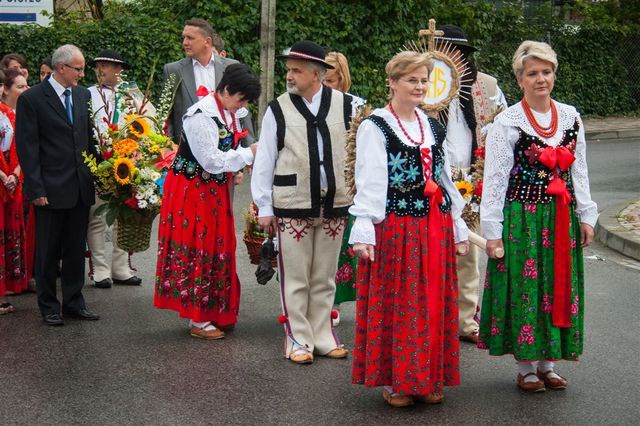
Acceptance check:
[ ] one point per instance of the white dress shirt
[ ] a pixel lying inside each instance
(202, 135)
(267, 155)
(59, 89)
(205, 75)
(501, 140)
(371, 174)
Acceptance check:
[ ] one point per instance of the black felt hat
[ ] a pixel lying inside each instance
(308, 51)
(454, 35)
(109, 55)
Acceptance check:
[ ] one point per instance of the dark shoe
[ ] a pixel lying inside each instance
(530, 386)
(129, 281)
(106, 283)
(53, 319)
(82, 314)
(471, 338)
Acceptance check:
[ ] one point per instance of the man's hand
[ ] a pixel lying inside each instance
(268, 224)
(364, 251)
(586, 234)
(254, 149)
(493, 246)
(40, 202)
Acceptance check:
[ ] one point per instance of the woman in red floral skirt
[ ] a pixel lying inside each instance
(407, 218)
(196, 270)
(12, 232)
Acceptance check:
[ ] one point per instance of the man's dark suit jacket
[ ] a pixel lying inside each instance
(50, 148)
(186, 94)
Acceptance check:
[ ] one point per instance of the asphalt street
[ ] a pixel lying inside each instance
(138, 365)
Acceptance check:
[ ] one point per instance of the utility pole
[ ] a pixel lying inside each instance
(267, 54)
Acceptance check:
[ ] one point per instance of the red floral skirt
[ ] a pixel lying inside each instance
(196, 269)
(12, 246)
(407, 307)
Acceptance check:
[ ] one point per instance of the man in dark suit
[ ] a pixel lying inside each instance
(52, 131)
(198, 74)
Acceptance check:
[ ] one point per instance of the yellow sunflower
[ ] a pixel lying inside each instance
(138, 126)
(125, 146)
(465, 188)
(123, 170)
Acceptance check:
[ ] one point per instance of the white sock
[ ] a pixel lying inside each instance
(389, 389)
(545, 366)
(206, 325)
(526, 367)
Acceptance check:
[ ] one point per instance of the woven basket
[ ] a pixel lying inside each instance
(254, 244)
(134, 232)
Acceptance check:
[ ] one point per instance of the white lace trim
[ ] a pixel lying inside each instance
(515, 117)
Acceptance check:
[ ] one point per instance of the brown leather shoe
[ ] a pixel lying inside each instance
(471, 338)
(396, 400)
(552, 382)
(530, 386)
(201, 333)
(301, 358)
(430, 398)
(337, 353)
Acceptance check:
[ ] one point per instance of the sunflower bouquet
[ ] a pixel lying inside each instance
(135, 156)
(470, 187)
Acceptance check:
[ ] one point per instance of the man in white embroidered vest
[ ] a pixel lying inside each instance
(465, 144)
(298, 184)
(108, 66)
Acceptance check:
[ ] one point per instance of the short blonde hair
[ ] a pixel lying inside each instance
(533, 49)
(406, 62)
(341, 68)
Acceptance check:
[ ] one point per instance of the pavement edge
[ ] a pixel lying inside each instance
(614, 235)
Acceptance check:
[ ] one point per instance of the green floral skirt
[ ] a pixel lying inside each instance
(518, 292)
(346, 273)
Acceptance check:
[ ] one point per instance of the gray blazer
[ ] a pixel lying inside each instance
(186, 94)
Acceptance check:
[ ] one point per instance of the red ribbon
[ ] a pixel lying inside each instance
(560, 158)
(202, 91)
(239, 135)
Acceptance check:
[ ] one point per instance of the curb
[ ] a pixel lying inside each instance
(600, 135)
(615, 236)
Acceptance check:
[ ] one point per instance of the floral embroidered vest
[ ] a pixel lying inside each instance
(186, 164)
(529, 177)
(405, 187)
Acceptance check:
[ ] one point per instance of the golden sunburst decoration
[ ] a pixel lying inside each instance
(123, 170)
(448, 59)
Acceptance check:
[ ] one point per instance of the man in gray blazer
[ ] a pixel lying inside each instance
(198, 74)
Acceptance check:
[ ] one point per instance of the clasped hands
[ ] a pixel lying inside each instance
(366, 251)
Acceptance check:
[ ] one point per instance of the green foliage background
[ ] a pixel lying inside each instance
(598, 58)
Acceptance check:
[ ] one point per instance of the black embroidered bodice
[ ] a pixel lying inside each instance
(405, 187)
(186, 164)
(529, 178)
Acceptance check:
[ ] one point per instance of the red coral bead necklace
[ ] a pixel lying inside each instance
(395, 115)
(545, 132)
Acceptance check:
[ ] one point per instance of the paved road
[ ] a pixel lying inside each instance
(138, 365)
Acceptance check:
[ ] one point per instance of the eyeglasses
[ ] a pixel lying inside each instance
(78, 70)
(415, 82)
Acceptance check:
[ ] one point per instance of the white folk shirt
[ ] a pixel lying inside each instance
(6, 132)
(267, 155)
(501, 141)
(98, 96)
(202, 134)
(205, 75)
(371, 174)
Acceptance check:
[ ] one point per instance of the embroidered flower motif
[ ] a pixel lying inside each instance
(396, 162)
(412, 173)
(418, 204)
(533, 153)
(397, 179)
(402, 204)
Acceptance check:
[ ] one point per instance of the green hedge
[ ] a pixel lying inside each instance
(594, 73)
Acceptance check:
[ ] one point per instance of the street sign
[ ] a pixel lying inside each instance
(26, 11)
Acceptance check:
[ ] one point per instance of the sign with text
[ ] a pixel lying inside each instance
(26, 11)
(440, 83)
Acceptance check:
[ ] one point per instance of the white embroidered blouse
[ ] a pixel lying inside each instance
(500, 144)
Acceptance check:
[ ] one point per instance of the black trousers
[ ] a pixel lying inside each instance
(60, 233)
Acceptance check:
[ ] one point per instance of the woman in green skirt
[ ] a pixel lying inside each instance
(537, 207)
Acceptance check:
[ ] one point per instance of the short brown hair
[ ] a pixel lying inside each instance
(205, 26)
(218, 42)
(406, 62)
(14, 57)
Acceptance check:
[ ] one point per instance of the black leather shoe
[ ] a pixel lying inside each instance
(82, 314)
(53, 319)
(129, 281)
(106, 283)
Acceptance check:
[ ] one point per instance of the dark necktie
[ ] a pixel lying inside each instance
(67, 105)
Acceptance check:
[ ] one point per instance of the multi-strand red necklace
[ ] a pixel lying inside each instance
(233, 127)
(545, 132)
(395, 115)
